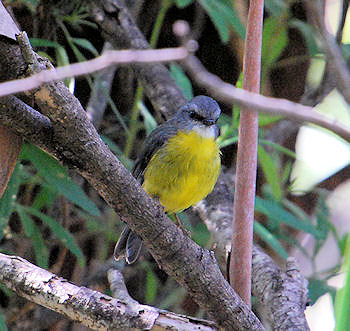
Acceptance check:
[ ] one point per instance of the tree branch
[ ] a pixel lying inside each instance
(91, 308)
(27, 122)
(231, 95)
(281, 296)
(108, 58)
(78, 144)
(222, 91)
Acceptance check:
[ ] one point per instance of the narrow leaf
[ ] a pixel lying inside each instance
(62, 234)
(217, 19)
(275, 39)
(183, 3)
(270, 172)
(57, 177)
(151, 286)
(32, 231)
(270, 239)
(38, 42)
(3, 326)
(278, 214)
(181, 80)
(84, 43)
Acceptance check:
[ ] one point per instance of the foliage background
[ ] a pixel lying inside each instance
(51, 217)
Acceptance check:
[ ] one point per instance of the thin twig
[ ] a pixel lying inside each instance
(229, 94)
(82, 68)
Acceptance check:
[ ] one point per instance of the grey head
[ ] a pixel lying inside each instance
(200, 114)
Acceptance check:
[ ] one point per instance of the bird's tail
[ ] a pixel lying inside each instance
(128, 246)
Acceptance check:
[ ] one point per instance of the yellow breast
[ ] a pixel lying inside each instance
(184, 171)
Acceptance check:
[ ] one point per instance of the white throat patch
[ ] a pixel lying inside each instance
(205, 131)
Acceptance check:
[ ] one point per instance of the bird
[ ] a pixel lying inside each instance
(178, 165)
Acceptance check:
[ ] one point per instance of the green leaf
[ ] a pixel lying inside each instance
(56, 176)
(275, 39)
(217, 19)
(226, 142)
(3, 326)
(296, 210)
(62, 234)
(230, 14)
(32, 231)
(270, 239)
(148, 119)
(181, 80)
(342, 307)
(45, 198)
(265, 119)
(183, 3)
(223, 16)
(286, 172)
(84, 43)
(151, 286)
(278, 148)
(79, 55)
(278, 214)
(62, 59)
(7, 201)
(322, 222)
(271, 173)
(201, 235)
(276, 7)
(37, 42)
(62, 56)
(317, 288)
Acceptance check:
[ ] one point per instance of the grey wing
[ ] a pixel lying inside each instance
(153, 142)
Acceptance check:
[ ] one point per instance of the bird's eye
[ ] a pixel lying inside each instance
(196, 116)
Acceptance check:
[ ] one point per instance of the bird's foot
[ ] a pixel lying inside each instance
(181, 226)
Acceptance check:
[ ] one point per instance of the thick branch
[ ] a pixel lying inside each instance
(26, 122)
(281, 297)
(91, 308)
